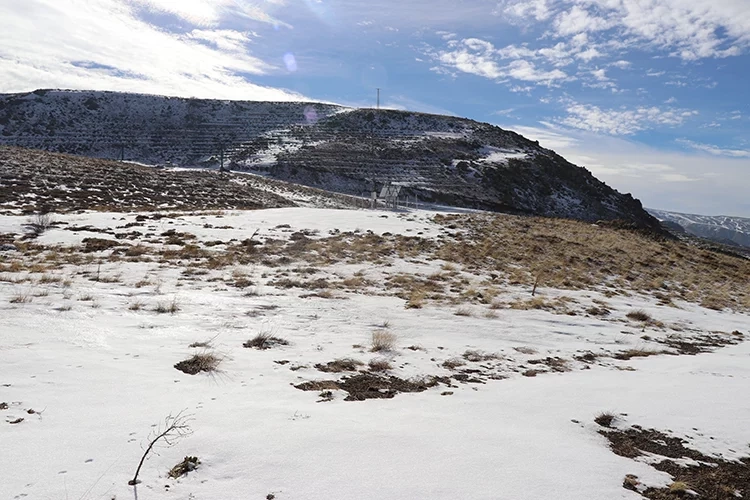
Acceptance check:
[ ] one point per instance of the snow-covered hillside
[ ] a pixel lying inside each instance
(720, 228)
(366, 354)
(434, 158)
(146, 128)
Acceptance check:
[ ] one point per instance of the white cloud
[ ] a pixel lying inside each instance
(524, 9)
(578, 20)
(209, 12)
(481, 58)
(472, 56)
(715, 150)
(102, 44)
(686, 29)
(670, 180)
(621, 121)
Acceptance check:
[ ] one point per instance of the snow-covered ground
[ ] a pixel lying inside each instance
(98, 373)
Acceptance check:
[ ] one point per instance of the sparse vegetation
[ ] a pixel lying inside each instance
(379, 365)
(340, 365)
(206, 361)
(167, 307)
(188, 464)
(172, 430)
(264, 340)
(383, 341)
(639, 315)
(605, 419)
(453, 363)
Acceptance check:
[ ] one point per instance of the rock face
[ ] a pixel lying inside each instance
(433, 158)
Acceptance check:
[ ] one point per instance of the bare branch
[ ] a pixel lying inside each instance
(174, 428)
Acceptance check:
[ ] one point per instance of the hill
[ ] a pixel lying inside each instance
(722, 229)
(33, 181)
(434, 158)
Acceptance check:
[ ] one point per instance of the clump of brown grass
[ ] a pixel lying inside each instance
(167, 307)
(188, 464)
(263, 341)
(340, 365)
(639, 315)
(478, 356)
(453, 363)
(379, 365)
(416, 300)
(383, 341)
(136, 306)
(201, 362)
(21, 298)
(605, 419)
(463, 311)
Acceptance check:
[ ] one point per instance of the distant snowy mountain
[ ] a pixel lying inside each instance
(434, 158)
(720, 228)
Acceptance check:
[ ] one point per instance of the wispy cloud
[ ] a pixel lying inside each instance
(621, 121)
(715, 150)
(103, 44)
(686, 29)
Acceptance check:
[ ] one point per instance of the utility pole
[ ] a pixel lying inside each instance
(378, 97)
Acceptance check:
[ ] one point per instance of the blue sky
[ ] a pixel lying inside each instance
(650, 95)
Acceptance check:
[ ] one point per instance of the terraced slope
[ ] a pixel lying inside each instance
(33, 181)
(434, 158)
(145, 128)
(441, 159)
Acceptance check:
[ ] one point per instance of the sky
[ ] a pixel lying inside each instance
(650, 95)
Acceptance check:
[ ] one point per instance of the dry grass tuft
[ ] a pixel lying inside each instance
(169, 307)
(21, 298)
(136, 306)
(340, 365)
(383, 341)
(202, 362)
(416, 300)
(639, 315)
(263, 341)
(463, 311)
(605, 419)
(453, 363)
(379, 365)
(188, 464)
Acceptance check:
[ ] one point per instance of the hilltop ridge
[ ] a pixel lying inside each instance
(434, 158)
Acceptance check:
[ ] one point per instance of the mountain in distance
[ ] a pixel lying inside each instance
(723, 229)
(434, 158)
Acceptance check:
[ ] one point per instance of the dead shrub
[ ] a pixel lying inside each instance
(383, 341)
(263, 341)
(188, 464)
(202, 362)
(639, 315)
(453, 363)
(167, 307)
(340, 365)
(379, 365)
(605, 419)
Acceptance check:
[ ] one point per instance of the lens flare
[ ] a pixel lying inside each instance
(291, 62)
(311, 115)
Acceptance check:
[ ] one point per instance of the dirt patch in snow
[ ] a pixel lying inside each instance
(370, 386)
(702, 476)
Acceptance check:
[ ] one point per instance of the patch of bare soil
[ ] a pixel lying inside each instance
(370, 386)
(339, 365)
(699, 344)
(712, 479)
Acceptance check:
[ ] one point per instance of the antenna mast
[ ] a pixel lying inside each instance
(378, 97)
